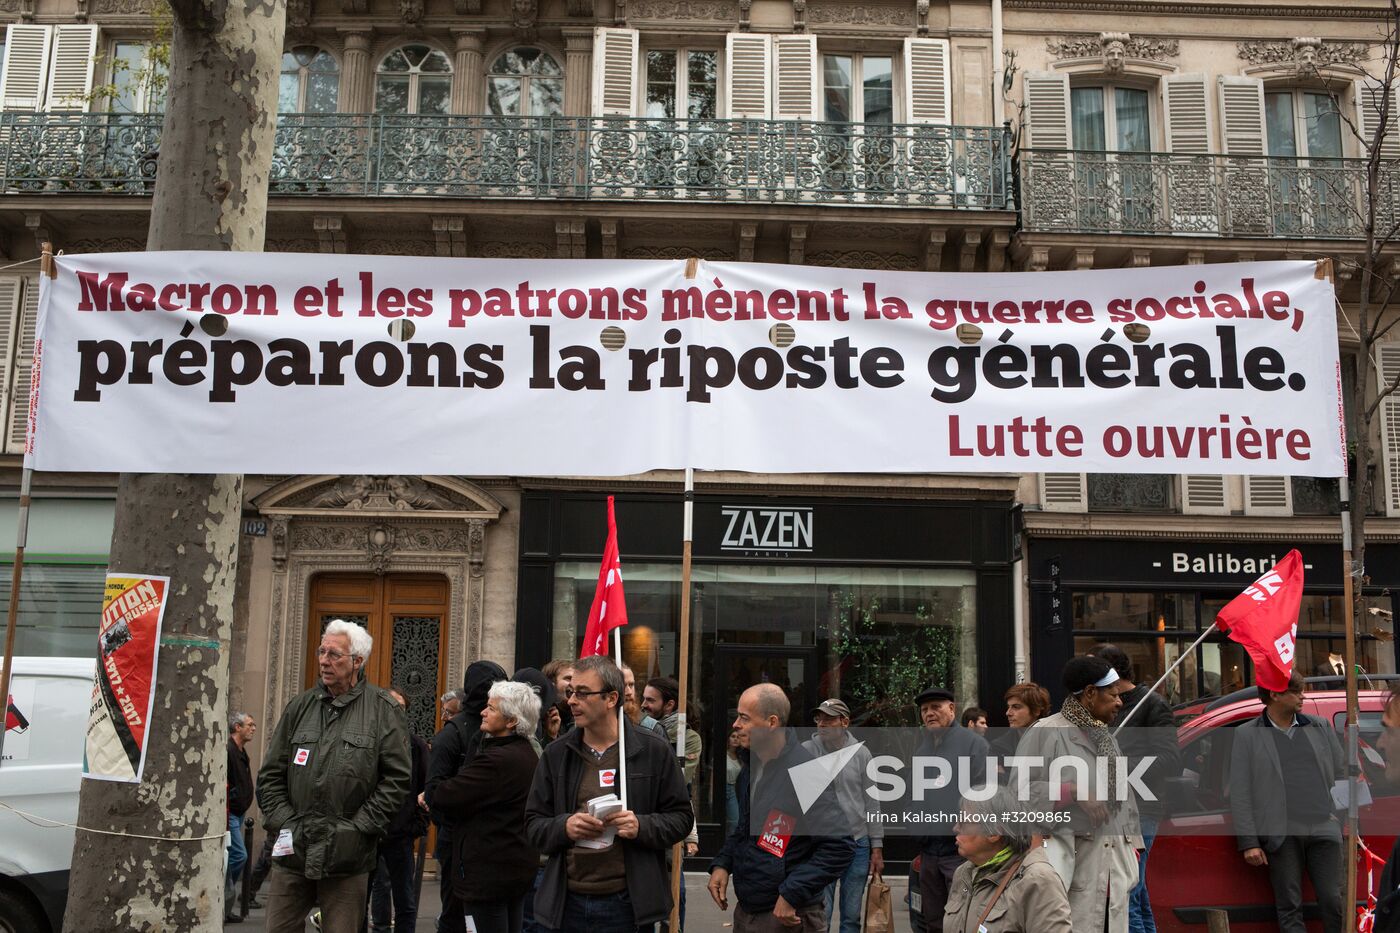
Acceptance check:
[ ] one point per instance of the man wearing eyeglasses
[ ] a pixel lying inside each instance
(1282, 769)
(623, 887)
(336, 770)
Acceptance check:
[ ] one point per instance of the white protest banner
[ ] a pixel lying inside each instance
(123, 690)
(374, 364)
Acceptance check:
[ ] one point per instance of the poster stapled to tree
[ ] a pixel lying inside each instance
(128, 645)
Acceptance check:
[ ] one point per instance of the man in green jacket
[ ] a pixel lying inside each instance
(335, 772)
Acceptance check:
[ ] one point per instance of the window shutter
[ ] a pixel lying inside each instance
(1388, 374)
(1242, 114)
(1369, 97)
(24, 77)
(1064, 492)
(18, 403)
(1047, 110)
(1204, 494)
(1268, 495)
(614, 72)
(795, 77)
(70, 73)
(926, 82)
(746, 77)
(11, 294)
(1188, 114)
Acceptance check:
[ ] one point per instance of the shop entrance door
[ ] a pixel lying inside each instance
(738, 667)
(406, 615)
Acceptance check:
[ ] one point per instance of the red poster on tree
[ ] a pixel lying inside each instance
(128, 645)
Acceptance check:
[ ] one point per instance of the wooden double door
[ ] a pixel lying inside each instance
(407, 616)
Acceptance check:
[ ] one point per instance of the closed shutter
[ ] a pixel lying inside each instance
(927, 94)
(614, 72)
(795, 77)
(1047, 110)
(1388, 374)
(24, 77)
(18, 403)
(1064, 492)
(11, 296)
(70, 72)
(1204, 494)
(1242, 115)
(1188, 114)
(1268, 495)
(746, 76)
(1369, 99)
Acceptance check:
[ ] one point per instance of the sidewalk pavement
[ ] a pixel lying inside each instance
(702, 916)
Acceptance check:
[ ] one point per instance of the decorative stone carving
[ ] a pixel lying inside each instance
(583, 8)
(294, 245)
(1115, 51)
(722, 11)
(9, 6)
(799, 15)
(514, 250)
(99, 6)
(1144, 47)
(467, 7)
(523, 14)
(379, 493)
(841, 13)
(354, 7)
(116, 244)
(863, 259)
(379, 546)
(279, 546)
(675, 252)
(694, 229)
(1303, 53)
(411, 12)
(921, 8)
(450, 232)
(298, 14)
(744, 7)
(398, 247)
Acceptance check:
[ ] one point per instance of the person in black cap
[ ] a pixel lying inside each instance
(962, 749)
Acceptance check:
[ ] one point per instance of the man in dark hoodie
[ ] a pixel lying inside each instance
(782, 867)
(451, 748)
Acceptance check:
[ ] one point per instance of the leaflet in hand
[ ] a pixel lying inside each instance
(600, 808)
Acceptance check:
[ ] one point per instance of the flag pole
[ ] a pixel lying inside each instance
(621, 724)
(677, 854)
(1189, 652)
(1349, 614)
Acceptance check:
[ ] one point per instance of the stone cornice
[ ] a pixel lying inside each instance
(1131, 7)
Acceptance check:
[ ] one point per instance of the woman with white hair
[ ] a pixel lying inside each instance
(493, 862)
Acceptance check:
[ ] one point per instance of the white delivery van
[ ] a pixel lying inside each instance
(40, 773)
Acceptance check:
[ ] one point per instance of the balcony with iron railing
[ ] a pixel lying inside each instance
(1065, 191)
(582, 158)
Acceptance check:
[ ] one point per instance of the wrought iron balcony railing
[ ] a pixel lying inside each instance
(1200, 195)
(545, 157)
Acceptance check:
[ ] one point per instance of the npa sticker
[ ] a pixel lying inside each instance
(607, 777)
(301, 756)
(777, 830)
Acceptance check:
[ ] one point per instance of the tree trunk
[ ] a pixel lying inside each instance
(211, 194)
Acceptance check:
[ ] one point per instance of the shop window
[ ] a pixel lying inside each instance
(525, 82)
(310, 81)
(682, 83)
(413, 79)
(138, 75)
(1130, 492)
(60, 606)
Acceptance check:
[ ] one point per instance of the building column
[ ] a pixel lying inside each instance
(578, 72)
(356, 75)
(469, 78)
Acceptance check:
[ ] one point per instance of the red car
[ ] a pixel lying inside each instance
(1196, 864)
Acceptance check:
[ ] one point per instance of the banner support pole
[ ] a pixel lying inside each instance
(683, 662)
(621, 724)
(1352, 749)
(1189, 652)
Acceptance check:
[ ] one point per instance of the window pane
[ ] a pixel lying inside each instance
(322, 93)
(1086, 105)
(414, 54)
(544, 64)
(836, 79)
(503, 96)
(1146, 612)
(391, 95)
(702, 85)
(509, 64)
(878, 81)
(60, 607)
(661, 84)
(546, 97)
(1324, 126)
(1278, 117)
(324, 62)
(1134, 125)
(437, 63)
(395, 61)
(434, 95)
(287, 90)
(128, 60)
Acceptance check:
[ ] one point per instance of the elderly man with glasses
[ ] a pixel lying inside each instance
(622, 886)
(335, 772)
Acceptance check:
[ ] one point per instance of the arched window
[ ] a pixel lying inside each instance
(413, 79)
(525, 82)
(310, 81)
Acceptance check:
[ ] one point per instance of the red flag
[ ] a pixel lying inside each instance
(609, 606)
(1264, 618)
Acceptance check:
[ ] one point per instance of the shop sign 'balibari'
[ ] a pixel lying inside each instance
(226, 362)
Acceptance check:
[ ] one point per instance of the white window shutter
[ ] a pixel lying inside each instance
(1242, 115)
(1187, 107)
(614, 72)
(1268, 495)
(17, 405)
(11, 296)
(1388, 374)
(1047, 110)
(1369, 98)
(795, 77)
(747, 76)
(1064, 492)
(25, 75)
(70, 71)
(1204, 494)
(927, 89)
